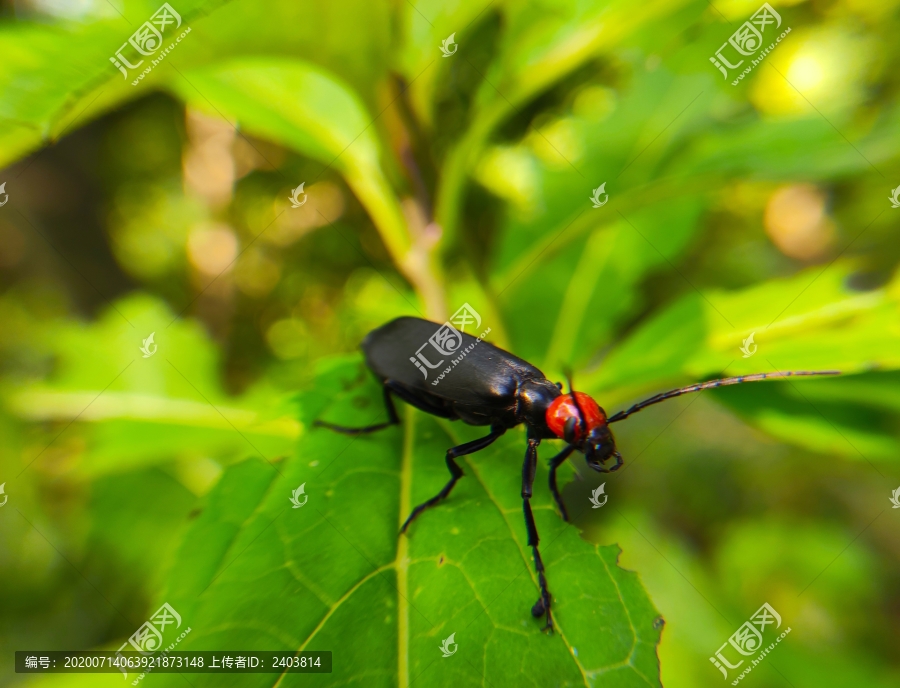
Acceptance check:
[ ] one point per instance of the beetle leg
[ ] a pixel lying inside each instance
(455, 471)
(555, 462)
(542, 606)
(393, 419)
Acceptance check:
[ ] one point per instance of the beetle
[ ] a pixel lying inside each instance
(487, 386)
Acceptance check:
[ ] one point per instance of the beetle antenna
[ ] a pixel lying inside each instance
(756, 377)
(568, 374)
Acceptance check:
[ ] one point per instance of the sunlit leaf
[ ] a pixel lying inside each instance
(811, 321)
(346, 582)
(56, 78)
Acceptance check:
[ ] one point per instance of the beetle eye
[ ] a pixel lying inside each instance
(569, 429)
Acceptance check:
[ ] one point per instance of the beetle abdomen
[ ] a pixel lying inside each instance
(478, 379)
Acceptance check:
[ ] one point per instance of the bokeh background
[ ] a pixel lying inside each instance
(432, 181)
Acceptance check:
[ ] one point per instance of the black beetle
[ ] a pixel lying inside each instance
(485, 385)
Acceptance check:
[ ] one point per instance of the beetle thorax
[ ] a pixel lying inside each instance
(565, 411)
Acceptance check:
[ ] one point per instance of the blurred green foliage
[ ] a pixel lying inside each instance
(164, 208)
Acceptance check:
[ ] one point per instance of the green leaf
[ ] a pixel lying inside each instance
(602, 289)
(126, 531)
(810, 321)
(58, 77)
(335, 575)
(55, 78)
(826, 415)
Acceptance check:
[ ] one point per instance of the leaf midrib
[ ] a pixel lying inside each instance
(401, 563)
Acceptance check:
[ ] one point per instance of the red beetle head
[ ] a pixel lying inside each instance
(577, 419)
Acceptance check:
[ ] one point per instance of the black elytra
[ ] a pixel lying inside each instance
(457, 376)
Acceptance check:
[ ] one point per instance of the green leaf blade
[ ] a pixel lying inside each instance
(334, 574)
